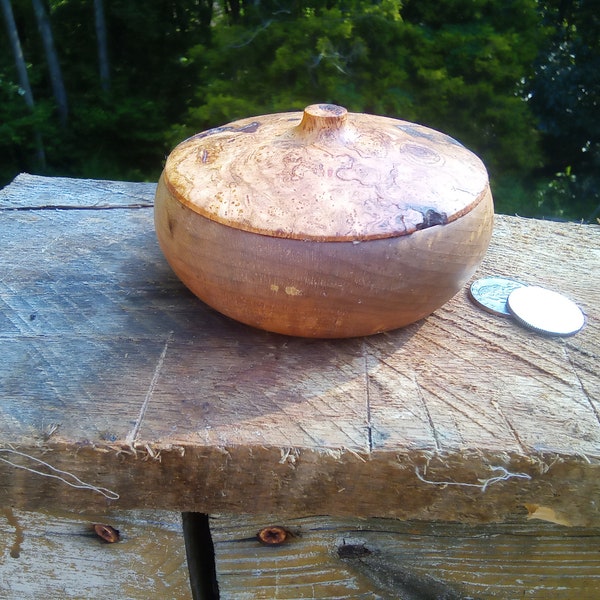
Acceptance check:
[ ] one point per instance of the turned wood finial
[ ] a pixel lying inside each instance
(322, 117)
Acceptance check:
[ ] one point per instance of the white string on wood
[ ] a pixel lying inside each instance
(505, 476)
(76, 483)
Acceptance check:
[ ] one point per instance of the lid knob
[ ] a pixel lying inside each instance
(323, 121)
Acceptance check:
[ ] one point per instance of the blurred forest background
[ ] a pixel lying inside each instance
(105, 88)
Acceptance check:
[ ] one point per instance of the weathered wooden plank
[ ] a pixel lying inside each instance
(35, 192)
(58, 555)
(486, 382)
(113, 372)
(387, 559)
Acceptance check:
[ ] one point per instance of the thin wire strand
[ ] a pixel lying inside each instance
(79, 483)
(482, 486)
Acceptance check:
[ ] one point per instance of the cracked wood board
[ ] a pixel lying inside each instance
(386, 559)
(113, 372)
(58, 555)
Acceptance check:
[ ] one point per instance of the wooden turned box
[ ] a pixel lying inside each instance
(323, 223)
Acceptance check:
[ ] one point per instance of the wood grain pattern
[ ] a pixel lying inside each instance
(113, 372)
(58, 555)
(326, 175)
(321, 289)
(391, 560)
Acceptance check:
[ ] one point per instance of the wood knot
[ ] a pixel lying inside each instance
(353, 551)
(273, 535)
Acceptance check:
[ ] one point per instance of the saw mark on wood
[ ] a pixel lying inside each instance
(50, 243)
(434, 432)
(582, 351)
(552, 382)
(509, 425)
(581, 384)
(493, 345)
(309, 433)
(350, 427)
(16, 309)
(133, 434)
(469, 418)
(407, 407)
(367, 399)
(48, 360)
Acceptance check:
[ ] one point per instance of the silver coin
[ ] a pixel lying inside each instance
(545, 311)
(491, 293)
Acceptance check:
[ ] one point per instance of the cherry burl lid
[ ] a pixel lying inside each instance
(327, 175)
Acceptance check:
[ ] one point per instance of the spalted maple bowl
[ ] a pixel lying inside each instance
(323, 223)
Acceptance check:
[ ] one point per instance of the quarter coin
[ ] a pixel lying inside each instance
(491, 293)
(545, 311)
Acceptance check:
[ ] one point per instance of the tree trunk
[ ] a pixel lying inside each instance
(101, 37)
(233, 9)
(15, 42)
(58, 87)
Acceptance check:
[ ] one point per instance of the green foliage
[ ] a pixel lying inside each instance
(569, 196)
(454, 67)
(514, 80)
(18, 125)
(563, 93)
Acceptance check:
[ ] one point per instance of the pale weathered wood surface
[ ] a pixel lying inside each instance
(111, 371)
(383, 559)
(57, 555)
